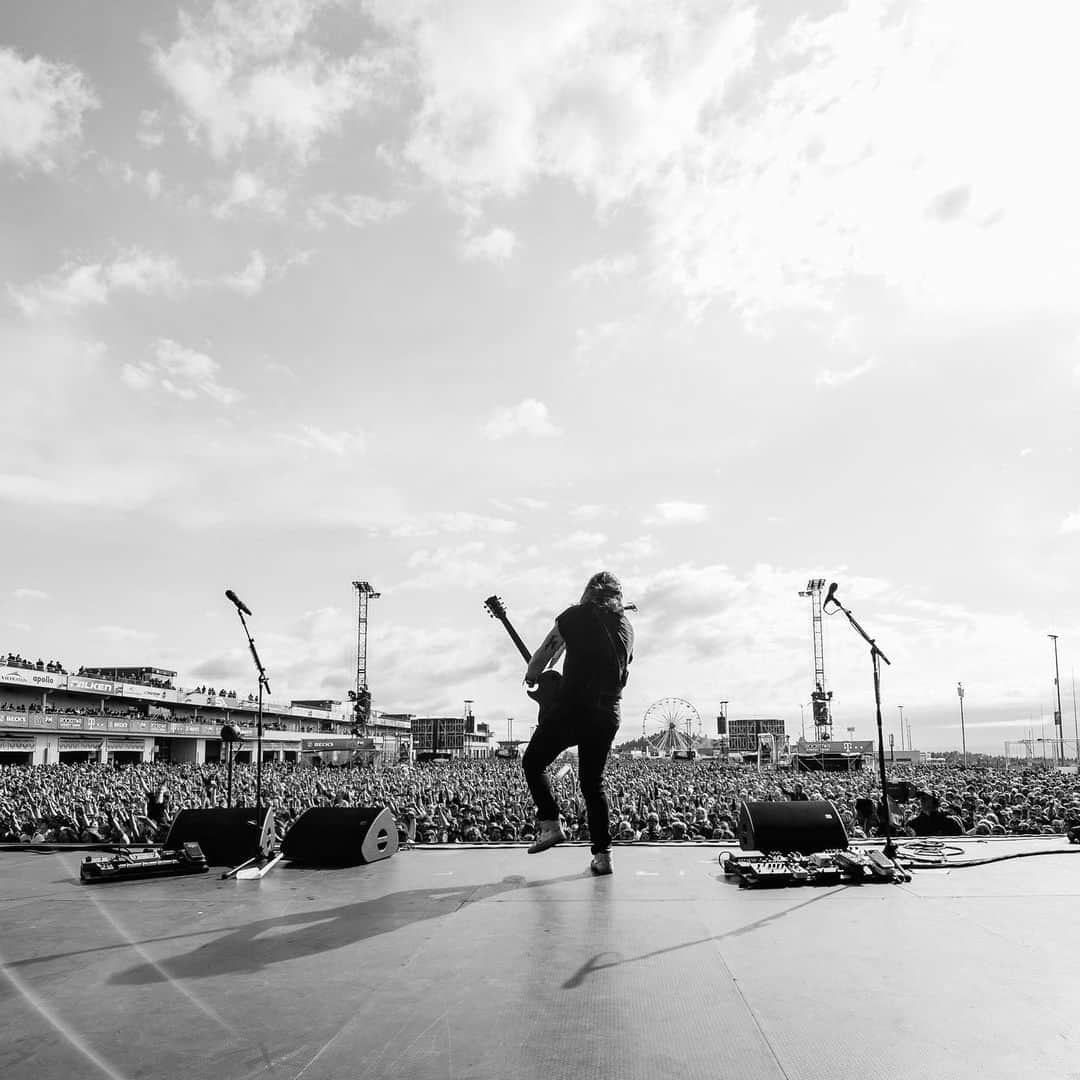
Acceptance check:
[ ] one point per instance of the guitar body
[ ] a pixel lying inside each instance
(547, 693)
(548, 689)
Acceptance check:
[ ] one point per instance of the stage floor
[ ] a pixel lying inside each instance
(485, 963)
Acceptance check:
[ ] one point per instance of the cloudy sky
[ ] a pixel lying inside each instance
(482, 297)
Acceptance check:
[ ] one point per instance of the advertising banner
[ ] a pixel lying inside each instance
(313, 745)
(158, 725)
(70, 723)
(156, 693)
(97, 723)
(119, 725)
(24, 746)
(13, 719)
(31, 677)
(97, 686)
(856, 746)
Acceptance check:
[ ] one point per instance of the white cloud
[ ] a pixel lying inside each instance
(1071, 523)
(457, 521)
(30, 594)
(113, 487)
(180, 371)
(640, 548)
(250, 280)
(588, 511)
(782, 162)
(152, 181)
(603, 270)
(602, 342)
(528, 417)
(122, 634)
(679, 513)
(250, 191)
(356, 210)
(829, 377)
(496, 245)
(42, 106)
(247, 70)
(146, 274)
(149, 133)
(583, 541)
(337, 443)
(76, 286)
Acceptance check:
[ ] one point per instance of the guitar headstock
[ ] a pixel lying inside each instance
(495, 607)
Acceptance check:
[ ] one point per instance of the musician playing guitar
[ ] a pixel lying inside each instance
(599, 645)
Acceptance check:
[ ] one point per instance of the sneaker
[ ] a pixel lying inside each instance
(601, 863)
(551, 833)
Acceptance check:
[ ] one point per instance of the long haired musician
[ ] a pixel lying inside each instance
(598, 641)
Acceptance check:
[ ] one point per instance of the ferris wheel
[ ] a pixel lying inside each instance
(669, 724)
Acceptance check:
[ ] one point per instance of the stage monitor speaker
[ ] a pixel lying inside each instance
(341, 836)
(786, 827)
(227, 837)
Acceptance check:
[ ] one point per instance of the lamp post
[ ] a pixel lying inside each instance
(1057, 715)
(901, 708)
(963, 738)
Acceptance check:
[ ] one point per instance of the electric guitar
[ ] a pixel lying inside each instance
(549, 686)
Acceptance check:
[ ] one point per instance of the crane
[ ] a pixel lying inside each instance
(361, 696)
(820, 697)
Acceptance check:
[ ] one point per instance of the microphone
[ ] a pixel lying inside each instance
(241, 606)
(830, 596)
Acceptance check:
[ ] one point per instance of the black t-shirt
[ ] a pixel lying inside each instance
(590, 668)
(935, 824)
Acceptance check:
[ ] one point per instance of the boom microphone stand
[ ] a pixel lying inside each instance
(264, 681)
(875, 655)
(230, 736)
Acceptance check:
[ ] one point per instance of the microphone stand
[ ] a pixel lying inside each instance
(263, 681)
(875, 656)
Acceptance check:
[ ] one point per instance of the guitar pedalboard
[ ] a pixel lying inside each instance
(846, 867)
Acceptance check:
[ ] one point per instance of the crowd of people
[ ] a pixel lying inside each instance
(487, 801)
(17, 661)
(65, 710)
(127, 675)
(211, 692)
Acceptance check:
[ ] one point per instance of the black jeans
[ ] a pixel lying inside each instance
(592, 731)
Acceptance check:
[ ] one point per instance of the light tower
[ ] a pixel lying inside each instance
(361, 695)
(820, 696)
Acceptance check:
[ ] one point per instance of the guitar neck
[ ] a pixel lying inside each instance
(516, 639)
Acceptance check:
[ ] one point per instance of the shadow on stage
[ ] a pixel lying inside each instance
(256, 945)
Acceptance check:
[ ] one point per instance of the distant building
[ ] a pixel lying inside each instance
(451, 737)
(743, 734)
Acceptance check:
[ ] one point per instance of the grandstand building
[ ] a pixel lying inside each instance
(124, 715)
